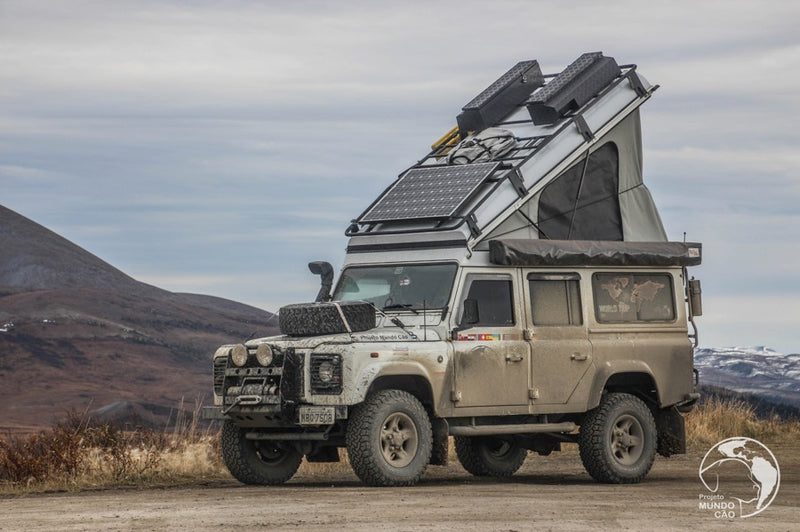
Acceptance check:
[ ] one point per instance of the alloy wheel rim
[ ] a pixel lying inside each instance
(399, 439)
(627, 438)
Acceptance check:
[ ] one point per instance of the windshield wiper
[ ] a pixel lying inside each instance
(395, 321)
(397, 306)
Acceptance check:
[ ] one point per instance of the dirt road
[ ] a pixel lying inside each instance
(549, 493)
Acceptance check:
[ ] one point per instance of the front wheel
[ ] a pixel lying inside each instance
(389, 439)
(257, 461)
(488, 456)
(618, 440)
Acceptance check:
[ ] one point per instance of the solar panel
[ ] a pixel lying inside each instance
(435, 192)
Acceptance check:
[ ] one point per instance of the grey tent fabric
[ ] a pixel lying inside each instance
(639, 220)
(516, 252)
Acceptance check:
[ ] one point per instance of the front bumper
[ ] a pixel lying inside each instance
(280, 395)
(212, 413)
(286, 415)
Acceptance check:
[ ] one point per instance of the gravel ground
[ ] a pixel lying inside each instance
(548, 493)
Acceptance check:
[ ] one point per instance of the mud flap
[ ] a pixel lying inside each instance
(441, 442)
(671, 432)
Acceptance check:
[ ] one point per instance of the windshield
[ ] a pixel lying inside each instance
(398, 287)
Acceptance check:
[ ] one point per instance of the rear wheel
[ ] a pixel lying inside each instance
(389, 439)
(489, 456)
(257, 461)
(618, 440)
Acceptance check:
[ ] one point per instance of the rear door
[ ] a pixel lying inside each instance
(560, 349)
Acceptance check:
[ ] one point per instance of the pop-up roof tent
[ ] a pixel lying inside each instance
(567, 165)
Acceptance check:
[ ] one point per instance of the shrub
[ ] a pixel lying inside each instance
(79, 453)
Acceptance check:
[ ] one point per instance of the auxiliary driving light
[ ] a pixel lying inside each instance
(239, 355)
(264, 354)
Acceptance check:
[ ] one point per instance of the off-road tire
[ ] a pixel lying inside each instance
(617, 440)
(389, 439)
(488, 456)
(313, 319)
(257, 462)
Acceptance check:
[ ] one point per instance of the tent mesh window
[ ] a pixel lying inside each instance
(584, 205)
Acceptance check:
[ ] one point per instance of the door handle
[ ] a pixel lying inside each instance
(514, 358)
(578, 357)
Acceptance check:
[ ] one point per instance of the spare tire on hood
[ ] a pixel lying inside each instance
(313, 319)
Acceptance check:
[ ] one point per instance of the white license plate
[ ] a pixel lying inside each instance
(317, 415)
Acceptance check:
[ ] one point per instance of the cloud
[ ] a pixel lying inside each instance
(750, 319)
(218, 146)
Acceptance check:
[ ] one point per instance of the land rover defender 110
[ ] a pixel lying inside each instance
(513, 290)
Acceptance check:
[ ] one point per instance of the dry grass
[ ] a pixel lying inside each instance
(79, 455)
(718, 419)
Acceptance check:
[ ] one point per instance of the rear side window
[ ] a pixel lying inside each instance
(495, 301)
(555, 300)
(633, 297)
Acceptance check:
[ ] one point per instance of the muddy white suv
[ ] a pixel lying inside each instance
(514, 289)
(530, 345)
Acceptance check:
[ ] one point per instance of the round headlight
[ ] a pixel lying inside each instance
(264, 354)
(325, 372)
(239, 355)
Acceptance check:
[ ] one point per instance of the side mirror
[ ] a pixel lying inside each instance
(325, 271)
(468, 318)
(471, 316)
(695, 297)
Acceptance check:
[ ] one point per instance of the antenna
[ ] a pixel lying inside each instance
(424, 322)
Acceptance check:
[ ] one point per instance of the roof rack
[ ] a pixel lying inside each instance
(555, 119)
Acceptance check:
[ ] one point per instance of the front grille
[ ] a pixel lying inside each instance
(332, 387)
(231, 381)
(219, 374)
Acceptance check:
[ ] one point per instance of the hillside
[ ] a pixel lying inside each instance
(75, 332)
(758, 371)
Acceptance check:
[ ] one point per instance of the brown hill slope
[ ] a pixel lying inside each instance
(75, 332)
(34, 258)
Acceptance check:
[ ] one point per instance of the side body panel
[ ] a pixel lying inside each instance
(661, 350)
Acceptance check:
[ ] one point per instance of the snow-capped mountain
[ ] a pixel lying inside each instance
(755, 370)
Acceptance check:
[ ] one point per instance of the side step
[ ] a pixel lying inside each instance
(489, 430)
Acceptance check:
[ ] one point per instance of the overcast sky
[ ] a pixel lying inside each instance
(217, 147)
